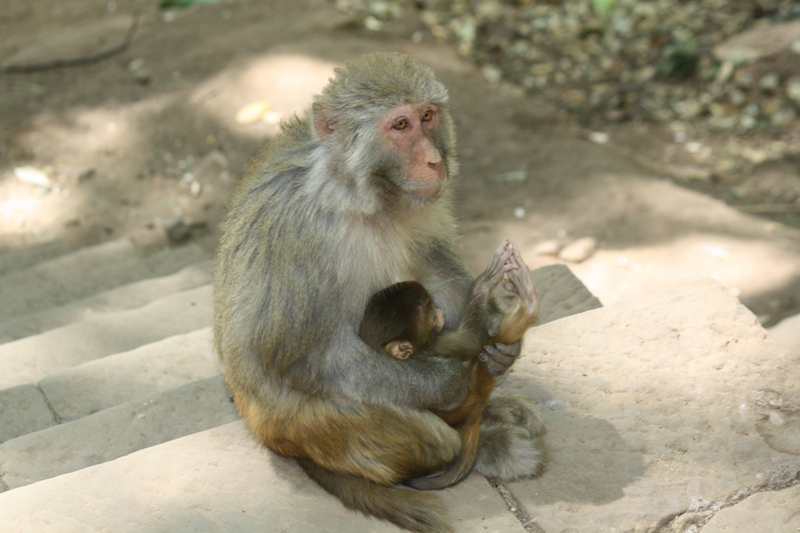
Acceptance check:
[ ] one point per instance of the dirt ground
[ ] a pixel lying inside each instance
(149, 136)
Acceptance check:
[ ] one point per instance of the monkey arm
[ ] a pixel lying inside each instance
(425, 381)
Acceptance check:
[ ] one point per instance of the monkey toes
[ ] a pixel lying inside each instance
(499, 357)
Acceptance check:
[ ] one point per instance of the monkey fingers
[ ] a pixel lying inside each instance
(499, 357)
(499, 265)
(528, 307)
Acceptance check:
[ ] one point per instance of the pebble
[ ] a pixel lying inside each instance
(551, 247)
(579, 250)
(33, 176)
(177, 230)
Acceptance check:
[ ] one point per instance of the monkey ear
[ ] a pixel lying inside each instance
(400, 349)
(321, 114)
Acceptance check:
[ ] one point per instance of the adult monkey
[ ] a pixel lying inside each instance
(347, 201)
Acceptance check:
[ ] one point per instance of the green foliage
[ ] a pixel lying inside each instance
(680, 58)
(603, 7)
(169, 4)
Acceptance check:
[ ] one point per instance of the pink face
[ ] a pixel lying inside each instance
(410, 129)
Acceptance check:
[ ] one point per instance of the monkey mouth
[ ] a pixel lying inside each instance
(429, 189)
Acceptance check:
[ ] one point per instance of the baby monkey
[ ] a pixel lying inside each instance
(402, 321)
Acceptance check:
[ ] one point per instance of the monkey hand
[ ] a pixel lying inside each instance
(499, 357)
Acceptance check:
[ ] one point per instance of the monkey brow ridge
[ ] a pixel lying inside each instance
(385, 79)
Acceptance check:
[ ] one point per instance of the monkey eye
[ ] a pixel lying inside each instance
(400, 124)
(427, 116)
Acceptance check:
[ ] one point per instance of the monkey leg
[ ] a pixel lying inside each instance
(384, 444)
(406, 508)
(467, 420)
(511, 444)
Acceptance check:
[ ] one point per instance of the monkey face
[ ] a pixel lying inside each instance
(410, 130)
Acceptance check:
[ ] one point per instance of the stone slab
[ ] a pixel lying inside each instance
(33, 358)
(217, 480)
(650, 405)
(561, 293)
(787, 333)
(150, 369)
(765, 511)
(116, 432)
(86, 272)
(128, 296)
(23, 409)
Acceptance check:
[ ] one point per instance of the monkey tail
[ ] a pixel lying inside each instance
(456, 472)
(414, 511)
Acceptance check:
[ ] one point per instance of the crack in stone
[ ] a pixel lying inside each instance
(53, 411)
(701, 511)
(515, 506)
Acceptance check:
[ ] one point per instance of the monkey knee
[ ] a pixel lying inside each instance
(513, 411)
(509, 452)
(432, 449)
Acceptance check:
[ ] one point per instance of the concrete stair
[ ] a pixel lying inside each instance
(114, 415)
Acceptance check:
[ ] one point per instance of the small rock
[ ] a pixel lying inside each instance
(551, 247)
(688, 109)
(33, 176)
(579, 250)
(373, 24)
(793, 89)
(492, 74)
(142, 76)
(725, 71)
(783, 117)
(177, 230)
(136, 64)
(769, 82)
(598, 137)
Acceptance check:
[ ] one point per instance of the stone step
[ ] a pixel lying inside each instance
(68, 268)
(24, 409)
(115, 432)
(128, 296)
(91, 387)
(31, 359)
(674, 409)
(216, 480)
(86, 272)
(117, 403)
(150, 369)
(19, 258)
